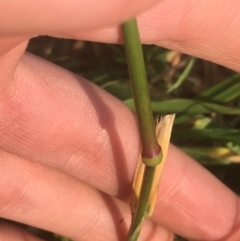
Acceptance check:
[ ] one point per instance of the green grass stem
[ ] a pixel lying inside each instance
(151, 151)
(140, 90)
(142, 205)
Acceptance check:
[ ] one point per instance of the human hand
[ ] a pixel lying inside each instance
(65, 141)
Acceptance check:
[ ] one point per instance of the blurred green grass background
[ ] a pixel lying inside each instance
(205, 96)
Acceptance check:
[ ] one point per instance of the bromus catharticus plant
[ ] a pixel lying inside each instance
(155, 140)
(154, 137)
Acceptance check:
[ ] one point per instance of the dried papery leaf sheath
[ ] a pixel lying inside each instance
(163, 133)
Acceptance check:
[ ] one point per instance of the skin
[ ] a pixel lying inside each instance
(69, 149)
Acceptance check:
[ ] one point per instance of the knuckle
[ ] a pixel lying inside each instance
(13, 185)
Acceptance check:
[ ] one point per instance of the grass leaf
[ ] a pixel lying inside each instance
(188, 106)
(218, 134)
(183, 76)
(224, 91)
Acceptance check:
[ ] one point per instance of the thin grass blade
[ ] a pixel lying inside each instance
(183, 76)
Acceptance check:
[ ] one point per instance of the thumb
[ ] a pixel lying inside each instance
(56, 17)
(22, 20)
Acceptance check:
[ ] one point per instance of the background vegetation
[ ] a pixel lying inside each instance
(205, 96)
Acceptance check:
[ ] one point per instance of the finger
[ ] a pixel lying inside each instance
(61, 16)
(194, 203)
(87, 133)
(207, 29)
(10, 232)
(184, 26)
(58, 18)
(42, 197)
(94, 138)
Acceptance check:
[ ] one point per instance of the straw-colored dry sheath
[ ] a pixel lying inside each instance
(163, 133)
